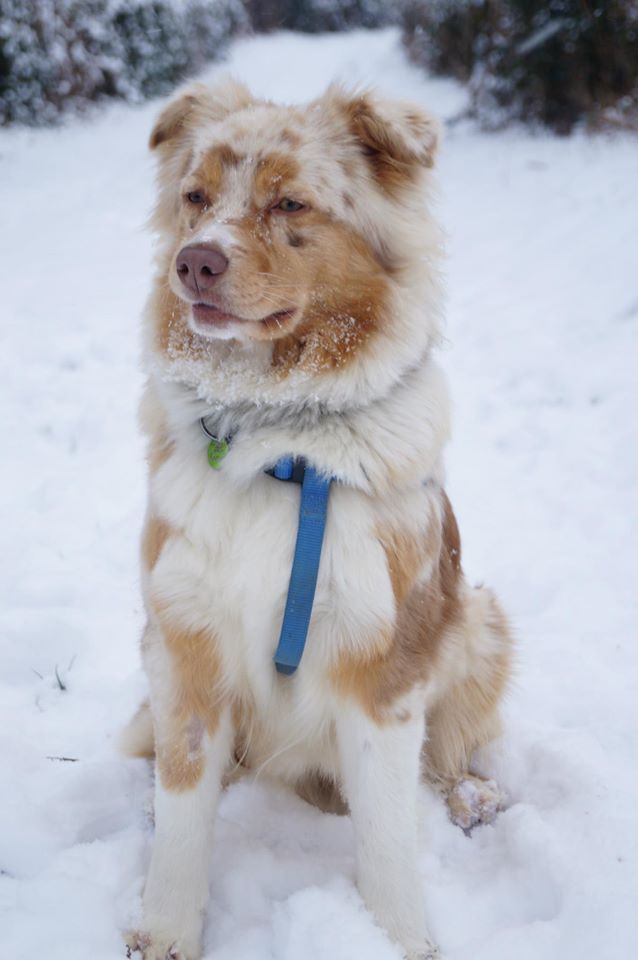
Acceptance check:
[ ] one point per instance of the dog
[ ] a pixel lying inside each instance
(295, 313)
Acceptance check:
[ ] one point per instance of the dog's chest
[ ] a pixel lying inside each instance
(228, 568)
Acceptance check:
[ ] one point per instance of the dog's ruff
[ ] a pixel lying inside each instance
(321, 312)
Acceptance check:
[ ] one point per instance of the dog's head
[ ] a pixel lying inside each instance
(303, 229)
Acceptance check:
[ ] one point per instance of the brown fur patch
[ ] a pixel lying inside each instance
(466, 716)
(172, 331)
(290, 137)
(198, 668)
(349, 302)
(322, 792)
(196, 703)
(156, 533)
(273, 172)
(214, 165)
(228, 157)
(425, 611)
(216, 160)
(405, 555)
(180, 760)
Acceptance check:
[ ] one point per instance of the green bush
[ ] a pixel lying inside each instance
(316, 16)
(59, 55)
(554, 63)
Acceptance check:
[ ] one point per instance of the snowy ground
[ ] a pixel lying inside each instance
(542, 356)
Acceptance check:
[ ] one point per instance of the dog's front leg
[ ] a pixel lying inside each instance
(191, 761)
(380, 769)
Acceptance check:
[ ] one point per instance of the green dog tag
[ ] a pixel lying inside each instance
(217, 450)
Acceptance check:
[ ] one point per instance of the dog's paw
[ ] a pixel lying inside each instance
(473, 800)
(158, 947)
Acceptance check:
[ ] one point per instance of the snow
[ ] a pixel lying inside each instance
(541, 351)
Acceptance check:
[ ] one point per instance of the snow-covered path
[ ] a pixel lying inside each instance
(542, 354)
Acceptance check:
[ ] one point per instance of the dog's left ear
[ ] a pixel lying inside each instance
(397, 137)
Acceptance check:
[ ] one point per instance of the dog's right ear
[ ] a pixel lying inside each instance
(175, 116)
(194, 105)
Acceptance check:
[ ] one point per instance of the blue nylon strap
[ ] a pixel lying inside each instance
(313, 507)
(283, 468)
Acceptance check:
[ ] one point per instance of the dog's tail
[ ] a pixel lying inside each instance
(137, 738)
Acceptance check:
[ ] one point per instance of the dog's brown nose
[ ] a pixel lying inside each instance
(199, 265)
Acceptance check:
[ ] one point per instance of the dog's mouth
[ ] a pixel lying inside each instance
(207, 316)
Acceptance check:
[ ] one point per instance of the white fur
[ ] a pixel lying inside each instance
(219, 233)
(380, 767)
(176, 890)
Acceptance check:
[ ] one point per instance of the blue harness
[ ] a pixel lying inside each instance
(313, 507)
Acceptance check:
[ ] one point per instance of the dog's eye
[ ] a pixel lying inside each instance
(288, 206)
(195, 196)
